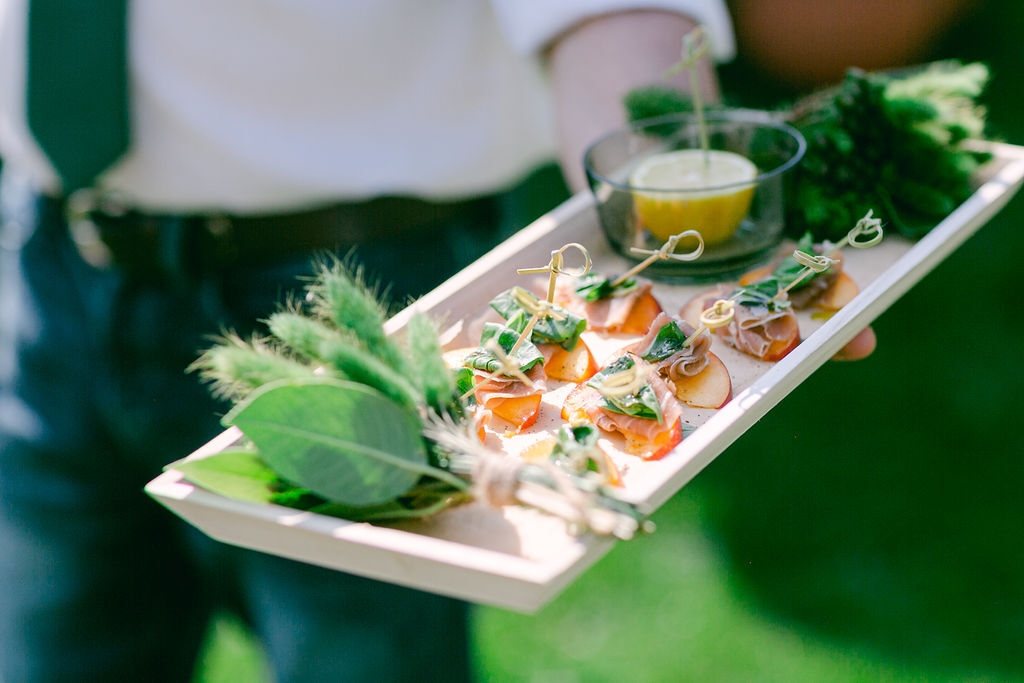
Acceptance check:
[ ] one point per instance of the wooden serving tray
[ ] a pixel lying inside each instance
(519, 558)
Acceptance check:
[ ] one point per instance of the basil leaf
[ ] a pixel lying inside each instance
(594, 287)
(644, 403)
(464, 382)
(526, 355)
(669, 340)
(506, 305)
(763, 292)
(576, 447)
(564, 331)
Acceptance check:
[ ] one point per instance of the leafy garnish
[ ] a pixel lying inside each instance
(575, 447)
(789, 271)
(342, 419)
(559, 327)
(669, 340)
(636, 402)
(341, 440)
(893, 141)
(595, 287)
(525, 355)
(237, 472)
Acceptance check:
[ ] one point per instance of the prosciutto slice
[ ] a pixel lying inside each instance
(761, 332)
(686, 362)
(756, 330)
(500, 387)
(605, 315)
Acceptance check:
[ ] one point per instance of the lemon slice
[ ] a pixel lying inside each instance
(676, 199)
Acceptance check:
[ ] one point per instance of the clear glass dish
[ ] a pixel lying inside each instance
(624, 208)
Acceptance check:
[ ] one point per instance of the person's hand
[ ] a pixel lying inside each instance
(860, 347)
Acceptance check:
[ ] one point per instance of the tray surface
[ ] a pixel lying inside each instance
(519, 558)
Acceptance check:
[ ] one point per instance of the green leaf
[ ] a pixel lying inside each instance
(669, 340)
(341, 440)
(564, 330)
(526, 355)
(763, 292)
(656, 100)
(594, 287)
(644, 403)
(237, 473)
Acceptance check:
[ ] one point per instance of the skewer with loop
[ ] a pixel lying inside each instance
(556, 266)
(718, 315)
(667, 252)
(866, 233)
(623, 383)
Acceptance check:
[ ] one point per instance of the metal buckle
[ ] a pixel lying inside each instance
(78, 210)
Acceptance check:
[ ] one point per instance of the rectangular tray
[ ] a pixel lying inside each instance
(521, 559)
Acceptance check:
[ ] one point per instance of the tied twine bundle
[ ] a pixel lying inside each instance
(500, 480)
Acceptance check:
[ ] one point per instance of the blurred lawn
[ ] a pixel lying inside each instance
(867, 529)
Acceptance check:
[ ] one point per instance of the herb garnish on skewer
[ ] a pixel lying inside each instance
(767, 299)
(596, 287)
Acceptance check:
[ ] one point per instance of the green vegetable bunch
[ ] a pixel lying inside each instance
(892, 142)
(342, 419)
(333, 409)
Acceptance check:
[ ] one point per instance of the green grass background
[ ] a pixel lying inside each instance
(868, 529)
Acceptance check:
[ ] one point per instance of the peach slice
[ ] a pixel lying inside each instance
(778, 349)
(576, 366)
(756, 275)
(520, 411)
(842, 292)
(644, 311)
(710, 388)
(657, 448)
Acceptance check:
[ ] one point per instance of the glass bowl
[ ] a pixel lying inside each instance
(651, 179)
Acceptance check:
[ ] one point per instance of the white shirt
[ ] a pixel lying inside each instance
(252, 105)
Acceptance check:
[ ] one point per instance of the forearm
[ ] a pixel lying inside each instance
(596, 63)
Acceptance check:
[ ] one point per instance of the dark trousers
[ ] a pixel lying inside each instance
(97, 581)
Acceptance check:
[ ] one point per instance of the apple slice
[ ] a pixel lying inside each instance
(710, 388)
(576, 366)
